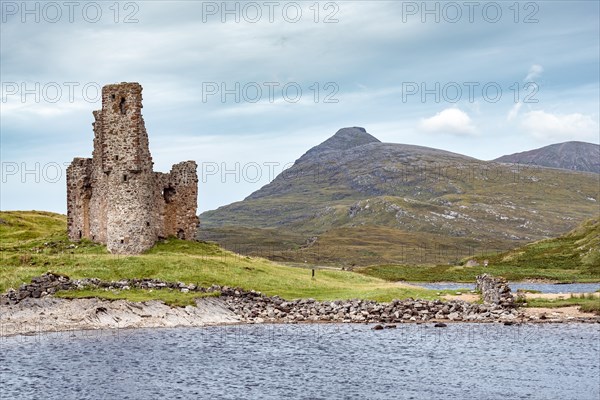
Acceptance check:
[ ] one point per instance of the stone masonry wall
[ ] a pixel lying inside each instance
(115, 197)
(495, 290)
(183, 185)
(78, 197)
(98, 203)
(127, 161)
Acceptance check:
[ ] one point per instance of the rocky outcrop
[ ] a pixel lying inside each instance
(495, 290)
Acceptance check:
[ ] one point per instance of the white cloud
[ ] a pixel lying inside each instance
(514, 111)
(534, 71)
(565, 127)
(450, 120)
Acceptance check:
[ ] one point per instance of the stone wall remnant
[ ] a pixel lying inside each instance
(495, 290)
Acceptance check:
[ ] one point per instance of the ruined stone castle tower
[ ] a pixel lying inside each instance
(114, 197)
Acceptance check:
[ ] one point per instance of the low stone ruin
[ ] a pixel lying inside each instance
(253, 306)
(250, 306)
(40, 286)
(495, 290)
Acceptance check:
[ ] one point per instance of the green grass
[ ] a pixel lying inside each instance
(36, 242)
(18, 229)
(593, 307)
(574, 257)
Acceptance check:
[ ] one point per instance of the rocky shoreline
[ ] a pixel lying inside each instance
(32, 308)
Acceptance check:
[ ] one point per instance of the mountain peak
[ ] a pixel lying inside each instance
(344, 139)
(576, 156)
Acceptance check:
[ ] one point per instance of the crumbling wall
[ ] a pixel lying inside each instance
(99, 179)
(79, 193)
(177, 198)
(495, 290)
(115, 197)
(183, 183)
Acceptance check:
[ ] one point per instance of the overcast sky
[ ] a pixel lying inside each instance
(222, 85)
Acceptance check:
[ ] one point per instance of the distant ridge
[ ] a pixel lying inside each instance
(574, 156)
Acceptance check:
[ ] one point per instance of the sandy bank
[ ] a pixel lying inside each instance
(559, 296)
(559, 313)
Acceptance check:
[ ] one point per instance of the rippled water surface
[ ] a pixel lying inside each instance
(462, 361)
(542, 287)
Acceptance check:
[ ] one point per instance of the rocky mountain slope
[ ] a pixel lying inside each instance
(356, 200)
(575, 156)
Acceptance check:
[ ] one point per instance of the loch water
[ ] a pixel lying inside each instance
(319, 361)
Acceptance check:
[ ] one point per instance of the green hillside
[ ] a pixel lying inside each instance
(578, 249)
(573, 257)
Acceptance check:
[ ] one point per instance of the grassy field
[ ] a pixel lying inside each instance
(32, 243)
(574, 257)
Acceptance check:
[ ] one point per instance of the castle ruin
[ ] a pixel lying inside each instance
(114, 197)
